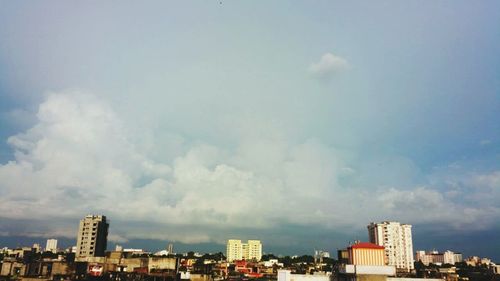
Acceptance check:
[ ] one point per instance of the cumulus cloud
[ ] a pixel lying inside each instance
(426, 205)
(80, 157)
(491, 180)
(328, 65)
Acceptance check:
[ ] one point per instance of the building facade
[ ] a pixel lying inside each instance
(396, 238)
(254, 250)
(51, 245)
(366, 254)
(92, 236)
(435, 257)
(236, 250)
(365, 261)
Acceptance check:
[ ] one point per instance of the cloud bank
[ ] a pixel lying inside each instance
(81, 157)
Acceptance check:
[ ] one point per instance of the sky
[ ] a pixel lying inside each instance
(293, 122)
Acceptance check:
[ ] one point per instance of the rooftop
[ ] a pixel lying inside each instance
(366, 245)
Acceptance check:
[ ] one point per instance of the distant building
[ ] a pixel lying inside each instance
(320, 255)
(236, 250)
(36, 247)
(92, 236)
(170, 248)
(272, 262)
(435, 257)
(118, 248)
(132, 250)
(397, 241)
(475, 261)
(254, 251)
(343, 256)
(162, 253)
(51, 245)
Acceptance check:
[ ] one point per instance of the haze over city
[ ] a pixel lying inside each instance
(294, 123)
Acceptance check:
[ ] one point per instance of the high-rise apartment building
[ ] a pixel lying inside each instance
(92, 236)
(51, 245)
(397, 241)
(236, 250)
(254, 251)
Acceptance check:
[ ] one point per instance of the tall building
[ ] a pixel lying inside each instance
(254, 251)
(397, 241)
(236, 250)
(51, 245)
(170, 248)
(92, 236)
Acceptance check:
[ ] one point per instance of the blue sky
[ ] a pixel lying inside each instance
(294, 122)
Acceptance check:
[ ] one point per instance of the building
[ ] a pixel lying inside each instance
(475, 261)
(365, 261)
(343, 256)
(92, 236)
(236, 250)
(364, 253)
(51, 245)
(397, 241)
(254, 251)
(170, 248)
(435, 257)
(36, 247)
(495, 269)
(319, 255)
(286, 275)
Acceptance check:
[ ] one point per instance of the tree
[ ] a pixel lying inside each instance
(267, 257)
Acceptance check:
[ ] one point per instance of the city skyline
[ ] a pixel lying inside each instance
(373, 235)
(295, 123)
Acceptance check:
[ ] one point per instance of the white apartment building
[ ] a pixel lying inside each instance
(397, 240)
(92, 236)
(254, 250)
(236, 250)
(51, 245)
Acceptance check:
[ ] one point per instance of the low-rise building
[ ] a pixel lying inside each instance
(365, 261)
(286, 275)
(435, 257)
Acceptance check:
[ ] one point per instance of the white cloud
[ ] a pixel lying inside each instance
(328, 65)
(81, 158)
(491, 180)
